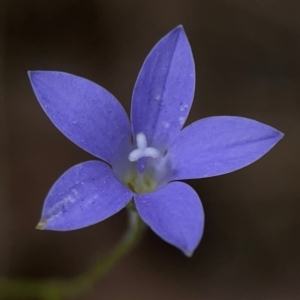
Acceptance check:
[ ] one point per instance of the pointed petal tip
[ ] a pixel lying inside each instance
(29, 73)
(41, 225)
(179, 29)
(281, 135)
(188, 254)
(32, 73)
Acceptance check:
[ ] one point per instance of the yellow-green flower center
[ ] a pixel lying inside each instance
(142, 169)
(140, 183)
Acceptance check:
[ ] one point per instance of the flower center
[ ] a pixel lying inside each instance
(148, 168)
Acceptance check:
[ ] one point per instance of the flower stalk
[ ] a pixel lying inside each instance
(61, 289)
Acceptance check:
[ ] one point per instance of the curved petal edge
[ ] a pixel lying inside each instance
(219, 145)
(164, 90)
(174, 213)
(83, 111)
(84, 195)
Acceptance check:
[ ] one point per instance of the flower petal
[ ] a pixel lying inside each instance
(164, 90)
(175, 213)
(86, 194)
(85, 112)
(219, 145)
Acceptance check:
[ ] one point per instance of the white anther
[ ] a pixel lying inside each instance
(142, 149)
(151, 152)
(135, 155)
(141, 141)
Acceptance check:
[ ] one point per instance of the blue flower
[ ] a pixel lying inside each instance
(145, 159)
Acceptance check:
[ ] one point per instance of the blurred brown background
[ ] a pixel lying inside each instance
(247, 57)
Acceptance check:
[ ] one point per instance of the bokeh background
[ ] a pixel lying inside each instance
(247, 56)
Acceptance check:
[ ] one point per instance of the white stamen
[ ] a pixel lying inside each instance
(141, 141)
(142, 149)
(135, 154)
(151, 152)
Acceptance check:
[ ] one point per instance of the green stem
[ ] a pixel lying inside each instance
(57, 290)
